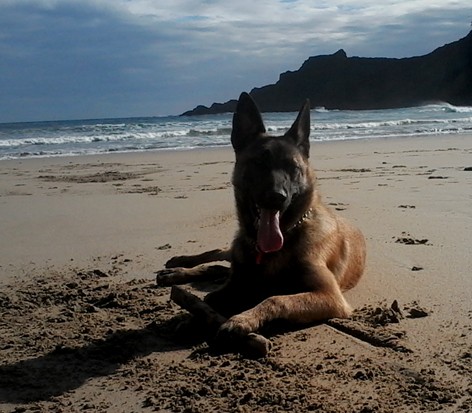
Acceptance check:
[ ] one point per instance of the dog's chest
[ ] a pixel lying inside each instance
(280, 273)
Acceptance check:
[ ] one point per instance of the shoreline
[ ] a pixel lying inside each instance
(346, 141)
(78, 231)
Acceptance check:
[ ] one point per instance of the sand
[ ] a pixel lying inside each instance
(83, 327)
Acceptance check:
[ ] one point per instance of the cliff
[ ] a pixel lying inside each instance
(340, 82)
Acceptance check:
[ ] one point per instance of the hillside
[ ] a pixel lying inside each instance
(337, 81)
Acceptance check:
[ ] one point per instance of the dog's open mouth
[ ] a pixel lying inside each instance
(269, 235)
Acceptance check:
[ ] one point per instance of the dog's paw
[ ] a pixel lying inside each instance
(166, 278)
(239, 325)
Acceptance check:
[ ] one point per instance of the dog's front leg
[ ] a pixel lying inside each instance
(175, 276)
(190, 261)
(299, 308)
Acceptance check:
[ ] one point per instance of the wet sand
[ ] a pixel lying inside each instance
(83, 327)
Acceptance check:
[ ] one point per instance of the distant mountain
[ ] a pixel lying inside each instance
(340, 82)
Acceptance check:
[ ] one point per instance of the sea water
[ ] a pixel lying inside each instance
(99, 136)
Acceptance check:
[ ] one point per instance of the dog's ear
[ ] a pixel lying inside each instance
(247, 122)
(299, 132)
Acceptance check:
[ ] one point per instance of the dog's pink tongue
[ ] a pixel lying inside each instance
(269, 236)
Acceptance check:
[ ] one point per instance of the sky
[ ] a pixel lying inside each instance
(89, 59)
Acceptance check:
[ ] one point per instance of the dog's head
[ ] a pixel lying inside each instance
(272, 177)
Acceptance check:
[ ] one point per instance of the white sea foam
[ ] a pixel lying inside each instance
(171, 133)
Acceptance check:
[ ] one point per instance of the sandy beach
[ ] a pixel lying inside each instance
(83, 327)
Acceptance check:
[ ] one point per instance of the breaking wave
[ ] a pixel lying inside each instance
(173, 133)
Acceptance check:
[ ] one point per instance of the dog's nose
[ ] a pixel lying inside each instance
(276, 199)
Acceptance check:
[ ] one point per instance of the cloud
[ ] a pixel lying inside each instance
(97, 58)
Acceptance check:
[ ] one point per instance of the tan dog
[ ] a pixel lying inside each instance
(292, 257)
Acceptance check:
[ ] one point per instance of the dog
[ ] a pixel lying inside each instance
(292, 257)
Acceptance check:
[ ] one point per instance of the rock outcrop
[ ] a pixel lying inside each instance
(340, 82)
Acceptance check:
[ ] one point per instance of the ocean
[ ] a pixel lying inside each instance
(99, 136)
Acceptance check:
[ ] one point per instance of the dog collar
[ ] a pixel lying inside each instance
(303, 218)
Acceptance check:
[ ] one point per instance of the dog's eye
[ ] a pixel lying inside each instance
(292, 168)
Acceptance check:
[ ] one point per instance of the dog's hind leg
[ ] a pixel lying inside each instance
(175, 276)
(190, 261)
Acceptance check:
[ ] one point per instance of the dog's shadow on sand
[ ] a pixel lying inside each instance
(64, 369)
